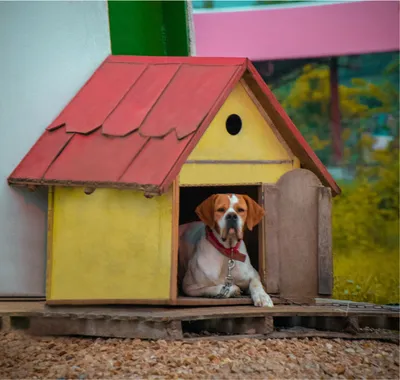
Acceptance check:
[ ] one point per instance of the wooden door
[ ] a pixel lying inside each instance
(297, 233)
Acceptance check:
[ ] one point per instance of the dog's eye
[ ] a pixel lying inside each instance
(241, 210)
(221, 209)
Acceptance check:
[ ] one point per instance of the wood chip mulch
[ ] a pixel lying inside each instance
(27, 357)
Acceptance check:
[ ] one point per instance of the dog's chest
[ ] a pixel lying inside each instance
(241, 273)
(215, 265)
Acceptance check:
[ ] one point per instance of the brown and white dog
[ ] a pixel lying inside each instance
(205, 249)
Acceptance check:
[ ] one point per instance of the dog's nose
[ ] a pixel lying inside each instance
(231, 216)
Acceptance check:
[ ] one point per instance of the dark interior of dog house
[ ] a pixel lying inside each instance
(191, 197)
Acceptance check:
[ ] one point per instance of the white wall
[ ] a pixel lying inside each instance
(48, 50)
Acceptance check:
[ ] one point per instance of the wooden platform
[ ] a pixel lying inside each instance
(326, 318)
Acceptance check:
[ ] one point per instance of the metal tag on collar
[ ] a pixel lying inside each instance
(224, 291)
(228, 279)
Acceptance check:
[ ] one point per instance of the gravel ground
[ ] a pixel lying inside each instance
(23, 356)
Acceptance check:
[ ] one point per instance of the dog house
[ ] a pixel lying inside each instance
(144, 142)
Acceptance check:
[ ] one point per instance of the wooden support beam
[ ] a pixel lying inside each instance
(271, 233)
(325, 259)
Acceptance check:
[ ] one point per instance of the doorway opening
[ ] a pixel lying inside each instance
(189, 199)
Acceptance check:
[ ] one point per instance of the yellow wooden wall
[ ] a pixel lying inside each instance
(225, 174)
(256, 141)
(112, 244)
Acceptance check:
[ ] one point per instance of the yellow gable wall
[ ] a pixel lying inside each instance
(255, 142)
(110, 245)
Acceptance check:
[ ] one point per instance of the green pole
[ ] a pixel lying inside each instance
(156, 28)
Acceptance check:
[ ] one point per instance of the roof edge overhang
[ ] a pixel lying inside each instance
(29, 182)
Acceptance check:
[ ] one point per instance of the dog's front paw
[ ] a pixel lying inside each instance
(262, 299)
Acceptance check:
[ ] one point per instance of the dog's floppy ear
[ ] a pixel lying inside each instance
(205, 211)
(254, 212)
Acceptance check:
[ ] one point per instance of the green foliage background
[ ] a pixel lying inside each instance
(366, 215)
(366, 234)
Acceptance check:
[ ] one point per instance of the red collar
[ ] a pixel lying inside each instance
(232, 253)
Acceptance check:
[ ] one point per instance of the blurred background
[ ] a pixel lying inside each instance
(338, 79)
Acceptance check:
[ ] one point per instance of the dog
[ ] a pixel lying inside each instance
(208, 247)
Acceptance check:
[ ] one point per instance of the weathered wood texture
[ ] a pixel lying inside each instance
(298, 234)
(325, 259)
(174, 323)
(187, 324)
(271, 232)
(298, 237)
(106, 327)
(192, 313)
(262, 258)
(22, 299)
(5, 323)
(200, 301)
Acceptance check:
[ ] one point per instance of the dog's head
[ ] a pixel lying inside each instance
(229, 214)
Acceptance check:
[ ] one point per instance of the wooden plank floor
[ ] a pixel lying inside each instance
(174, 322)
(190, 313)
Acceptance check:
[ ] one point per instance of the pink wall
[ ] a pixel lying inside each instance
(300, 32)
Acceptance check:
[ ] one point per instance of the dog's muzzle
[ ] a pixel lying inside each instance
(231, 221)
(231, 224)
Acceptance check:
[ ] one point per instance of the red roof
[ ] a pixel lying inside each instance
(137, 119)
